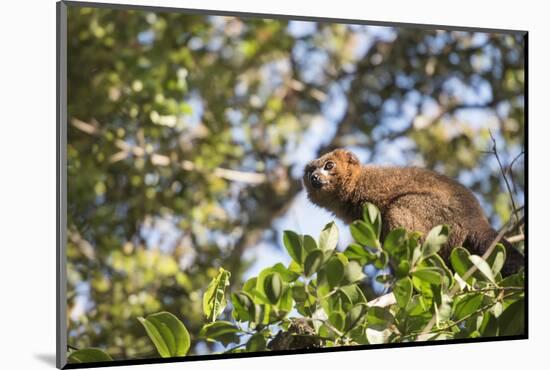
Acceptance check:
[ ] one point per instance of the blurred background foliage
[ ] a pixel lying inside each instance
(187, 136)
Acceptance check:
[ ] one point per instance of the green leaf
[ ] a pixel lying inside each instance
(364, 234)
(293, 245)
(489, 325)
(286, 301)
(460, 261)
(88, 355)
(357, 252)
(395, 241)
(273, 287)
(353, 272)
(415, 306)
(353, 294)
(483, 267)
(250, 285)
(512, 319)
(497, 258)
(382, 260)
(430, 275)
(435, 239)
(379, 318)
(220, 331)
(436, 261)
(443, 307)
(402, 290)
(378, 336)
(355, 314)
(213, 300)
(427, 291)
(244, 307)
(307, 306)
(328, 240)
(309, 244)
(334, 271)
(515, 280)
(263, 312)
(256, 343)
(497, 309)
(313, 261)
(337, 319)
(167, 333)
(372, 216)
(286, 274)
(295, 267)
(414, 247)
(466, 305)
(402, 269)
(299, 292)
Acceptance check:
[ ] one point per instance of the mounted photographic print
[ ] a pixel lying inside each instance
(235, 184)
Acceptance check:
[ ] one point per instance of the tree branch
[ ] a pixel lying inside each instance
(516, 238)
(495, 152)
(126, 149)
(383, 301)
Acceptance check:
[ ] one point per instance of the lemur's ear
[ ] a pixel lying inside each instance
(350, 157)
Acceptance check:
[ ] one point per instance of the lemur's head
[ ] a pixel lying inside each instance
(326, 176)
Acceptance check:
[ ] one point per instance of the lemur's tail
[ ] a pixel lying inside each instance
(481, 241)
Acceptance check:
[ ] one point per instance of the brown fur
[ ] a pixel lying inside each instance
(414, 198)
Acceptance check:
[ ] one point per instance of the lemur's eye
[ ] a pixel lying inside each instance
(329, 166)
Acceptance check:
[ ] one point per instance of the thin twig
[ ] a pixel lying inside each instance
(383, 301)
(458, 322)
(491, 289)
(516, 238)
(516, 158)
(520, 209)
(510, 171)
(236, 347)
(502, 170)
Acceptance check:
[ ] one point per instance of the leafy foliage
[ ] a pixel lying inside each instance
(324, 294)
(167, 333)
(213, 302)
(88, 355)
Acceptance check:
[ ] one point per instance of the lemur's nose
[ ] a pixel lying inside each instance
(316, 181)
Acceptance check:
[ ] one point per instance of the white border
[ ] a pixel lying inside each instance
(27, 183)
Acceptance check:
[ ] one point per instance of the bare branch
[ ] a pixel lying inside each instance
(516, 238)
(126, 149)
(511, 173)
(383, 301)
(83, 245)
(503, 171)
(515, 159)
(86, 127)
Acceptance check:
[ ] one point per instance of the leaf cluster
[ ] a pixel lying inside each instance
(322, 289)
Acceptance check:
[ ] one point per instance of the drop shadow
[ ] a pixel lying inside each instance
(47, 358)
